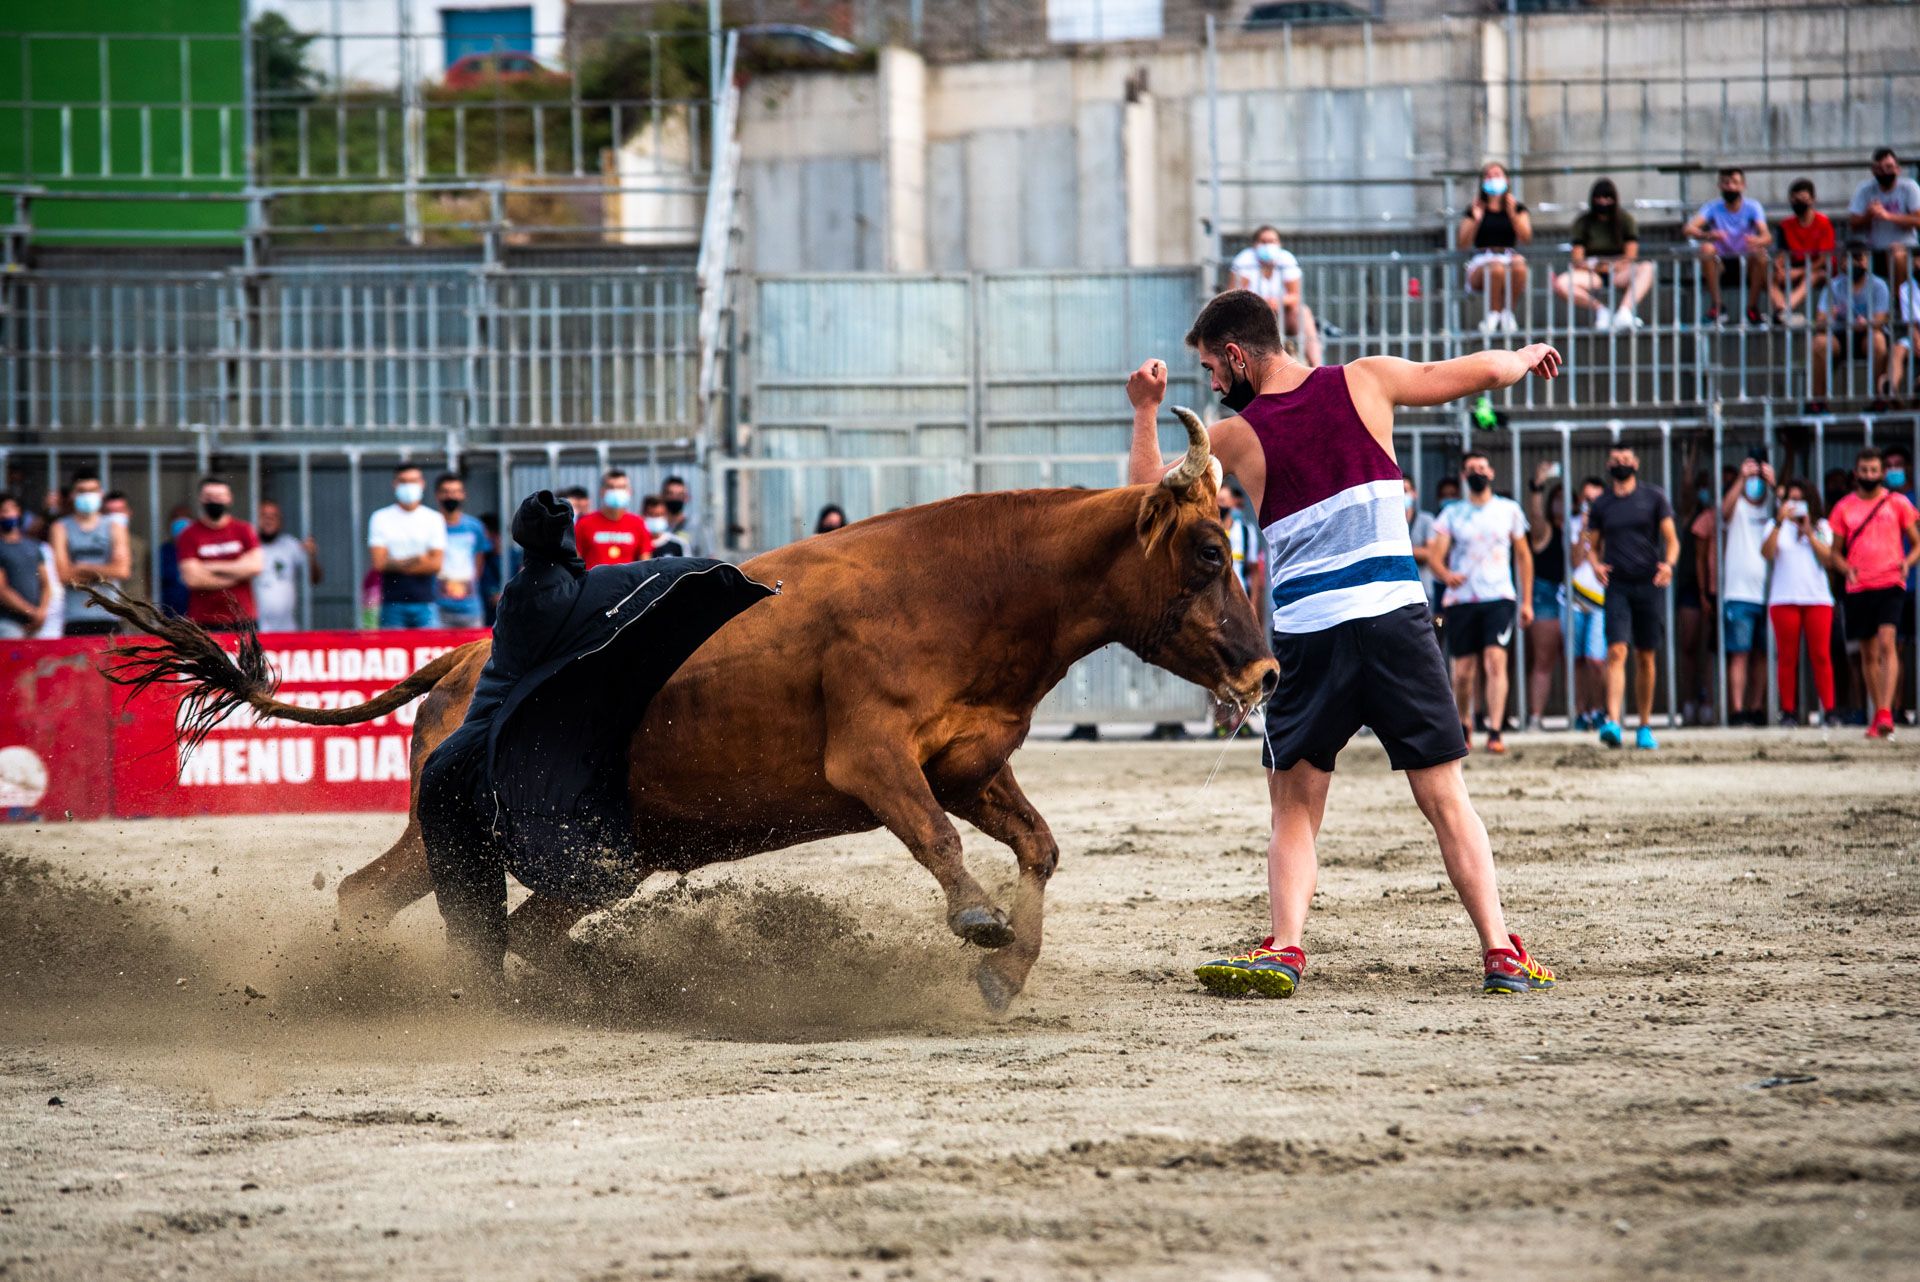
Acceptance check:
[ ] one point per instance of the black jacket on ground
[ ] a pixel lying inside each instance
(535, 779)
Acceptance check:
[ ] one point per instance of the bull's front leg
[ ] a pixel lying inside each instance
(878, 770)
(1003, 812)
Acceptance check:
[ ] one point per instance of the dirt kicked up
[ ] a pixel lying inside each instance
(779, 1069)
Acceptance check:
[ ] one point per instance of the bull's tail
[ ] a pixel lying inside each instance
(217, 684)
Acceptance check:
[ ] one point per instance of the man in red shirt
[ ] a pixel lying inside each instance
(1867, 529)
(1807, 237)
(611, 534)
(219, 555)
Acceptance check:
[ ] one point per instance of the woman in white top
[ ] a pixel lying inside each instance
(1275, 275)
(1800, 599)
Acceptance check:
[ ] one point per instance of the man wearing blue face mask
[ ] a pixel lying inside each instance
(408, 541)
(1264, 268)
(613, 534)
(1745, 508)
(88, 549)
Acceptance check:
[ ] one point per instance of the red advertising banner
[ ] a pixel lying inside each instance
(103, 753)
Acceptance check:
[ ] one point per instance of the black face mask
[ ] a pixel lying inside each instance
(8, 524)
(1239, 393)
(1731, 197)
(1603, 208)
(1886, 181)
(450, 506)
(1866, 486)
(1621, 472)
(675, 506)
(1479, 482)
(214, 511)
(1800, 207)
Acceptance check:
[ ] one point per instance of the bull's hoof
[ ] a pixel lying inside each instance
(986, 927)
(996, 988)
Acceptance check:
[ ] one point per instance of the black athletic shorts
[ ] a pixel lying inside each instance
(1385, 673)
(1636, 614)
(1867, 612)
(1473, 626)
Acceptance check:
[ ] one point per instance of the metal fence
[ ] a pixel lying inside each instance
(352, 347)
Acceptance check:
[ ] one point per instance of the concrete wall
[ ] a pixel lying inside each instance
(1102, 158)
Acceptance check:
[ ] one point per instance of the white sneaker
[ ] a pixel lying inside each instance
(1490, 323)
(1625, 319)
(1602, 320)
(1508, 324)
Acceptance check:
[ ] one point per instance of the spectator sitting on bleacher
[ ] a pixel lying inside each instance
(1732, 232)
(1274, 274)
(1886, 211)
(1853, 322)
(1606, 268)
(1801, 272)
(1906, 335)
(1494, 225)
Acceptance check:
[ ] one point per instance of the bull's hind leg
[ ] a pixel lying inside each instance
(1003, 812)
(538, 932)
(871, 766)
(373, 896)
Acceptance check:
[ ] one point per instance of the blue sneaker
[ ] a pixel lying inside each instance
(1610, 733)
(1645, 739)
(1261, 971)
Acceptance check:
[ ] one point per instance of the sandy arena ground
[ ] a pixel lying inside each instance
(783, 1071)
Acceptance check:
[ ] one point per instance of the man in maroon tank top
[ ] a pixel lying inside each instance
(1350, 622)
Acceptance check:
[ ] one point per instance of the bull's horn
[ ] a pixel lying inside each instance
(1194, 466)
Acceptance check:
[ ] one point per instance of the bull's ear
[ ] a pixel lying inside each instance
(1159, 513)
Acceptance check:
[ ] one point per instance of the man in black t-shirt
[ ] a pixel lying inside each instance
(1634, 548)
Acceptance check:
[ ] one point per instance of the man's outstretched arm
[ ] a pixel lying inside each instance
(1407, 382)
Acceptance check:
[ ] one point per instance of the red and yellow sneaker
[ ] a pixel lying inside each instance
(1261, 971)
(1513, 970)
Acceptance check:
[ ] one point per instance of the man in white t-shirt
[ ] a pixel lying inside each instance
(287, 564)
(1478, 544)
(1746, 514)
(408, 541)
(1275, 275)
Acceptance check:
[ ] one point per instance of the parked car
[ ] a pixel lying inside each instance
(789, 46)
(477, 70)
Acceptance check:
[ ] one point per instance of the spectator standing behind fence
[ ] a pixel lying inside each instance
(1631, 538)
(24, 577)
(1274, 274)
(1853, 323)
(1801, 271)
(119, 509)
(579, 499)
(1495, 224)
(1906, 334)
(1606, 275)
(456, 593)
(89, 551)
(1547, 536)
(1743, 604)
(831, 518)
(1800, 600)
(1420, 534)
(612, 534)
(660, 528)
(492, 573)
(289, 567)
(1477, 547)
(219, 557)
(1868, 526)
(681, 522)
(408, 543)
(1586, 613)
(1886, 212)
(1733, 237)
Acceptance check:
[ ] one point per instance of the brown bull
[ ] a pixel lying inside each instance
(887, 685)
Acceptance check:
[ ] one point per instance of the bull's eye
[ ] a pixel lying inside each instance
(1211, 555)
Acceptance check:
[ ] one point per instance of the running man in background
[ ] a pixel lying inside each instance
(1352, 632)
(1634, 547)
(1477, 546)
(1869, 527)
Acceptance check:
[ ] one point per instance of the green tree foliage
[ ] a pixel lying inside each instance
(280, 68)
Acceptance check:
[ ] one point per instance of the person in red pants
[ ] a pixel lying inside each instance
(1800, 599)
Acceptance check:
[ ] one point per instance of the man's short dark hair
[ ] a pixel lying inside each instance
(1859, 245)
(112, 495)
(1733, 171)
(211, 479)
(1884, 153)
(86, 474)
(1799, 185)
(652, 500)
(1594, 481)
(1263, 229)
(1870, 452)
(444, 477)
(613, 474)
(1471, 455)
(575, 492)
(401, 469)
(8, 496)
(1237, 316)
(671, 480)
